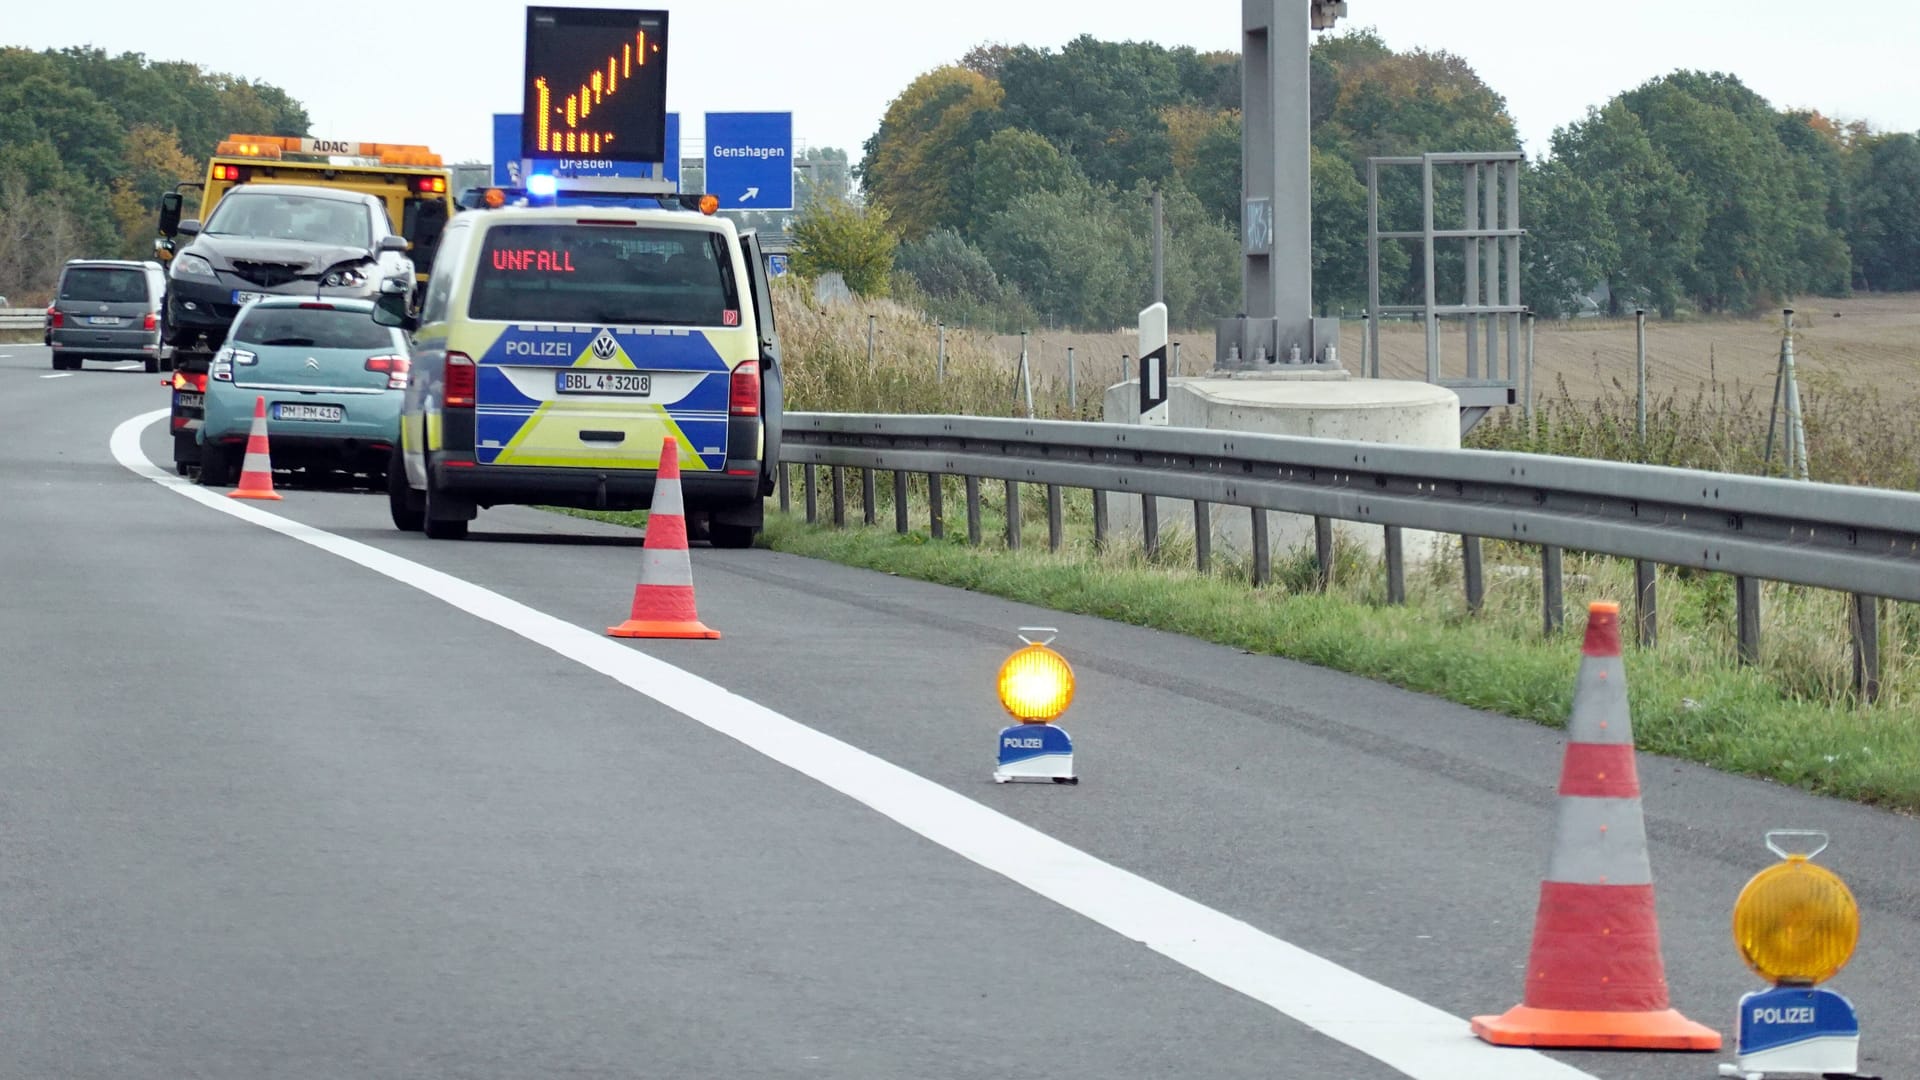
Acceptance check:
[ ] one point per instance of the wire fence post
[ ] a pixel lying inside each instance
(1640, 377)
(1073, 384)
(870, 343)
(940, 359)
(1529, 375)
(1026, 375)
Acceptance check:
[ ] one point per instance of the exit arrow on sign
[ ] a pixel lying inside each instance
(751, 192)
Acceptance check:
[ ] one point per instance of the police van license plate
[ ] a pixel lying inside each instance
(289, 411)
(604, 382)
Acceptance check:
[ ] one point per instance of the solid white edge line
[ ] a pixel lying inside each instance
(59, 375)
(1401, 1031)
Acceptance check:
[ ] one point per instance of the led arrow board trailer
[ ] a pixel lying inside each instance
(596, 85)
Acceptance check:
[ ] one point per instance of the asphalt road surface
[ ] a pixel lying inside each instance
(287, 793)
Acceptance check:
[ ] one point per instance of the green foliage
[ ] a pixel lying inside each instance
(954, 282)
(1885, 212)
(917, 166)
(856, 242)
(88, 141)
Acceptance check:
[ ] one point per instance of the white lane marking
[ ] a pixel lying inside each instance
(1411, 1036)
(59, 375)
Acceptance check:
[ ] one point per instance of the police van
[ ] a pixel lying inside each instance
(557, 347)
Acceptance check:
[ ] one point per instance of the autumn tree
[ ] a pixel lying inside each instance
(917, 165)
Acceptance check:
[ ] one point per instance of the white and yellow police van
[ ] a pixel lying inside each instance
(558, 346)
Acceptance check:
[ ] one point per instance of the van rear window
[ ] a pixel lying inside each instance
(104, 285)
(605, 274)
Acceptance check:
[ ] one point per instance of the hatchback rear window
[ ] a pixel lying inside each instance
(605, 274)
(104, 285)
(312, 328)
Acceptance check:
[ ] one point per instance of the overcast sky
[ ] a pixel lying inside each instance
(435, 72)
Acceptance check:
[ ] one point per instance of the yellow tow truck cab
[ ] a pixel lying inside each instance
(410, 179)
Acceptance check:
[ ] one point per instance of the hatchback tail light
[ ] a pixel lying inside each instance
(462, 382)
(397, 368)
(743, 398)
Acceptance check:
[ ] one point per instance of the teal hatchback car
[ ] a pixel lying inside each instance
(333, 380)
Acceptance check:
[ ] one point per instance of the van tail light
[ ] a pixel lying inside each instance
(152, 322)
(462, 382)
(59, 319)
(743, 397)
(397, 369)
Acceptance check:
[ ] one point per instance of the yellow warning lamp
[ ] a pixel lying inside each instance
(709, 203)
(1036, 683)
(495, 198)
(1796, 924)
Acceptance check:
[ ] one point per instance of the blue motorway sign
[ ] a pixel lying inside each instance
(506, 156)
(750, 160)
(777, 265)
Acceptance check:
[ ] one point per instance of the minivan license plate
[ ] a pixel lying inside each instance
(604, 382)
(286, 411)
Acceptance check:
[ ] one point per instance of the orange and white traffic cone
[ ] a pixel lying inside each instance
(1595, 978)
(256, 471)
(663, 601)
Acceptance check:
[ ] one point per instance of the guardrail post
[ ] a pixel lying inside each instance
(1322, 553)
(1746, 617)
(1863, 618)
(868, 496)
(936, 505)
(1054, 515)
(1099, 520)
(1013, 515)
(1202, 535)
(1396, 554)
(1150, 524)
(973, 510)
(785, 483)
(1646, 608)
(1476, 572)
(900, 521)
(811, 486)
(1262, 550)
(839, 498)
(1553, 592)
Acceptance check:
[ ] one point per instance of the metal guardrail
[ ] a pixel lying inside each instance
(30, 318)
(1861, 541)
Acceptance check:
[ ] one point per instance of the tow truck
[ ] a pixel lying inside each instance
(410, 179)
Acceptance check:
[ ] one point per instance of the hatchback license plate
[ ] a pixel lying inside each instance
(604, 382)
(245, 298)
(288, 411)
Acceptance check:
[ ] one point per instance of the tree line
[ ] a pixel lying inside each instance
(1013, 188)
(89, 142)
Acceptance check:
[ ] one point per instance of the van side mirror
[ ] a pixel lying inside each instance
(170, 205)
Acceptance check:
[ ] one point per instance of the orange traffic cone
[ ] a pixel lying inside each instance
(1595, 978)
(256, 472)
(663, 601)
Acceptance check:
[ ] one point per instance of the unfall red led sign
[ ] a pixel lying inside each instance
(596, 85)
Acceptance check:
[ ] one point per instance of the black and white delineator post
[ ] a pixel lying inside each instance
(1153, 366)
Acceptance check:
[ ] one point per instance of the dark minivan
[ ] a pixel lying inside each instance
(108, 309)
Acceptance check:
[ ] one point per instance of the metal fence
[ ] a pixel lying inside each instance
(1861, 541)
(30, 318)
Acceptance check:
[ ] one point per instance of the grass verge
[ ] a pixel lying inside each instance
(1789, 719)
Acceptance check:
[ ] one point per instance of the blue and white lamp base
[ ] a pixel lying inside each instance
(1796, 1031)
(1035, 752)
